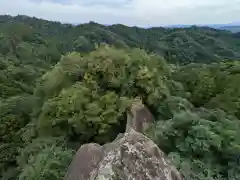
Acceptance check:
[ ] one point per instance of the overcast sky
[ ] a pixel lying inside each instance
(129, 12)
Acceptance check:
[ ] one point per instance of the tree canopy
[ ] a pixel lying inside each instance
(62, 86)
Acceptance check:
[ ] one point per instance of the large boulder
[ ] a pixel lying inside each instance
(131, 156)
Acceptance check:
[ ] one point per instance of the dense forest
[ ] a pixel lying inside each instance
(63, 85)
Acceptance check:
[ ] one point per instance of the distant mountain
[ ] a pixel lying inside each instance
(178, 26)
(181, 44)
(233, 27)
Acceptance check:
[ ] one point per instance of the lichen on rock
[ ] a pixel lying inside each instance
(131, 156)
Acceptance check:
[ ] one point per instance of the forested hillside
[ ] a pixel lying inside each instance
(63, 85)
(181, 45)
(233, 29)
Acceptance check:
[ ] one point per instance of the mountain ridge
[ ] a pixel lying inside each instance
(177, 45)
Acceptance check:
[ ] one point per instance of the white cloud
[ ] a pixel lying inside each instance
(129, 12)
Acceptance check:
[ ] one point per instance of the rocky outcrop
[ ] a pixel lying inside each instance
(131, 156)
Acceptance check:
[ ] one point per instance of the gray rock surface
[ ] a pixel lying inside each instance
(131, 156)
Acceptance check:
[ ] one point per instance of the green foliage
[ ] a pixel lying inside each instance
(82, 45)
(52, 99)
(178, 45)
(44, 159)
(78, 111)
(8, 165)
(87, 96)
(200, 82)
(212, 86)
(14, 115)
(203, 144)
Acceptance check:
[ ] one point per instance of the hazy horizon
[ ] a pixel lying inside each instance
(166, 26)
(143, 13)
